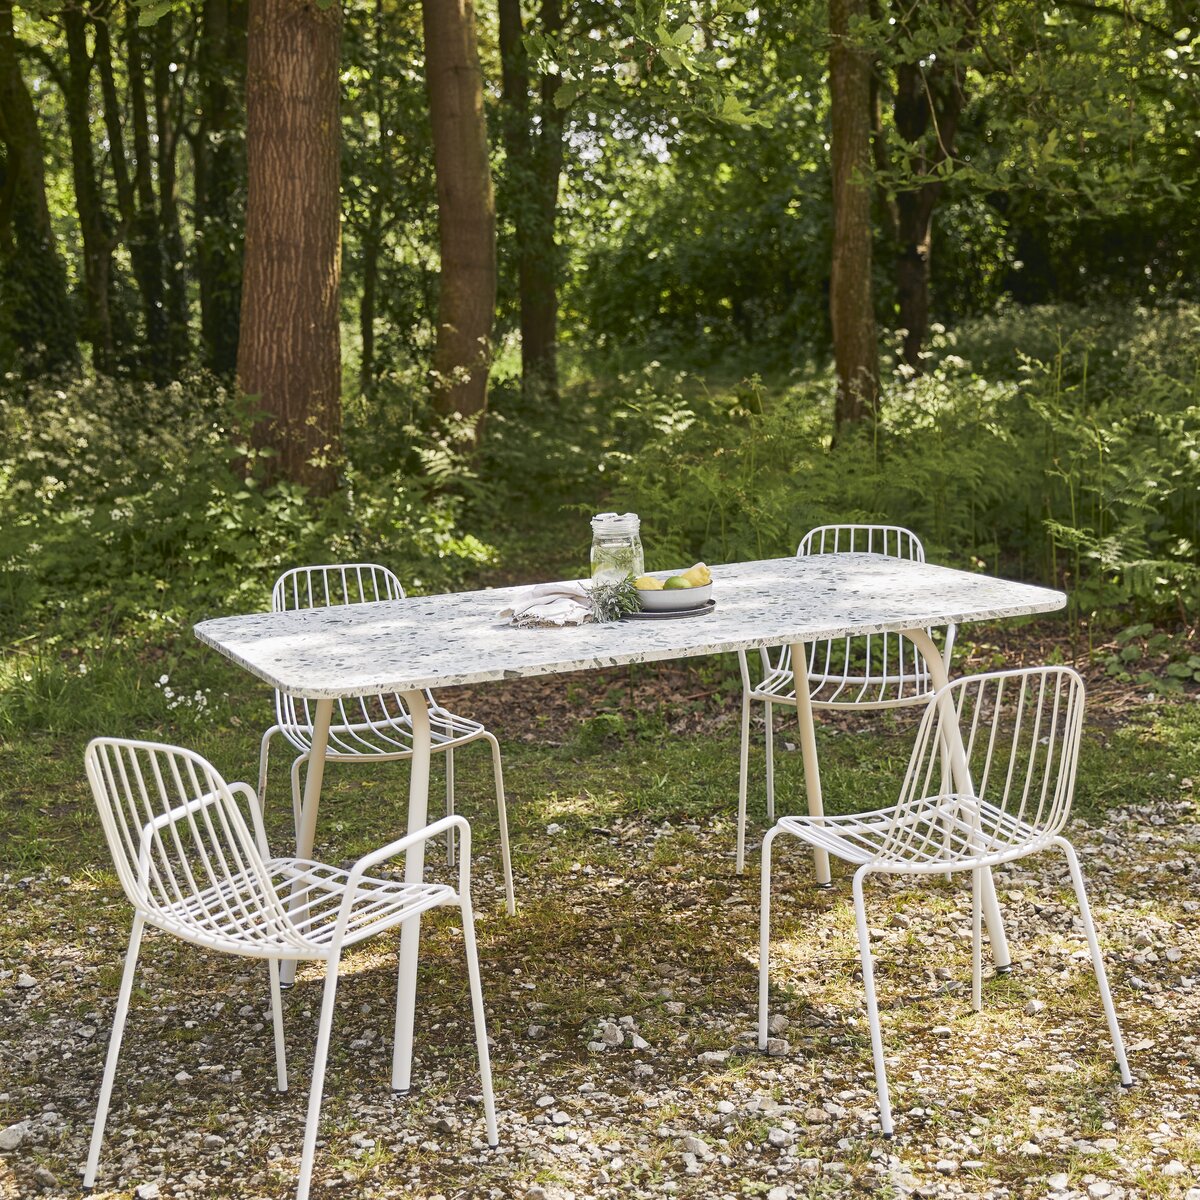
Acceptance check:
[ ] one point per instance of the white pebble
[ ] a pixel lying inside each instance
(13, 1136)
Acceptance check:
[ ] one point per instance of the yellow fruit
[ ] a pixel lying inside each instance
(647, 583)
(698, 575)
(676, 582)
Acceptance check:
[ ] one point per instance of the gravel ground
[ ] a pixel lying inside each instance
(621, 1006)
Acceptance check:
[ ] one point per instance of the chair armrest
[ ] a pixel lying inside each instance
(161, 822)
(364, 864)
(256, 815)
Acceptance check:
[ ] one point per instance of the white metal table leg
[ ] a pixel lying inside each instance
(808, 751)
(306, 831)
(414, 872)
(958, 766)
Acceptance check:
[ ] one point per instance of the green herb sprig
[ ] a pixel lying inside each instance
(611, 601)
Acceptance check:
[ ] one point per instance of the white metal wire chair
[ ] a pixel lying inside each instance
(1013, 742)
(194, 862)
(876, 671)
(370, 728)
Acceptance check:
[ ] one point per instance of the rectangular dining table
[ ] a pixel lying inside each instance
(406, 646)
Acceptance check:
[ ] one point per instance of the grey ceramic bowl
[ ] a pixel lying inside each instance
(675, 599)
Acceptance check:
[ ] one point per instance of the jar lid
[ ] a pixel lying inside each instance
(614, 523)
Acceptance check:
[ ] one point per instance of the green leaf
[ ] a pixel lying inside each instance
(566, 93)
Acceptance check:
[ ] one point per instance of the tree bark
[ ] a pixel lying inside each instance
(851, 306)
(535, 152)
(466, 209)
(289, 356)
(35, 310)
(93, 225)
(219, 154)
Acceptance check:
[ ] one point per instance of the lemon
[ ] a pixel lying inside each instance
(676, 582)
(698, 575)
(647, 583)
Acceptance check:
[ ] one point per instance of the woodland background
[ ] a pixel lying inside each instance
(284, 282)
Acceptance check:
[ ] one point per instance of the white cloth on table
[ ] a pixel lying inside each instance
(550, 604)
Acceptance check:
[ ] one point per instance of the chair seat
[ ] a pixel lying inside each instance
(372, 730)
(935, 833)
(841, 691)
(298, 919)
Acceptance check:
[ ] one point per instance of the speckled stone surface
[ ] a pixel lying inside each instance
(441, 641)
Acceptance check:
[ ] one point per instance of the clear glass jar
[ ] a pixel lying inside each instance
(616, 547)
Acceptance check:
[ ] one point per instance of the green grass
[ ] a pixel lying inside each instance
(635, 895)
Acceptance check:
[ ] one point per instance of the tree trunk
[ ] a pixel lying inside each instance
(289, 356)
(93, 226)
(914, 215)
(166, 124)
(851, 308)
(143, 251)
(926, 96)
(535, 153)
(35, 311)
(220, 178)
(111, 107)
(372, 238)
(466, 209)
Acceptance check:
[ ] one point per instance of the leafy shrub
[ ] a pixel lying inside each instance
(130, 511)
(1077, 462)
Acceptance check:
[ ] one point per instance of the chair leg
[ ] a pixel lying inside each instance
(281, 1075)
(406, 1003)
(977, 940)
(743, 780)
(502, 819)
(450, 853)
(770, 763)
(263, 754)
(114, 1050)
(868, 972)
(297, 794)
(1089, 929)
(947, 788)
(764, 939)
(318, 1078)
(481, 1041)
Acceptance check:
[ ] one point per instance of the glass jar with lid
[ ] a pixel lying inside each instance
(616, 547)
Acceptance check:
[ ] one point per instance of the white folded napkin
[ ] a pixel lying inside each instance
(550, 604)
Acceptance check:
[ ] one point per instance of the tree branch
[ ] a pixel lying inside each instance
(1123, 13)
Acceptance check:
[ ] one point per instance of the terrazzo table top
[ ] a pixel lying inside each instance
(441, 641)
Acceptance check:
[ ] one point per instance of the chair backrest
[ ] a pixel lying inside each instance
(894, 541)
(1019, 732)
(880, 670)
(327, 586)
(332, 584)
(178, 839)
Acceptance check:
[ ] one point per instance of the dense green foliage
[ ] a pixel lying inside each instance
(693, 211)
(1053, 444)
(1058, 442)
(1060, 445)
